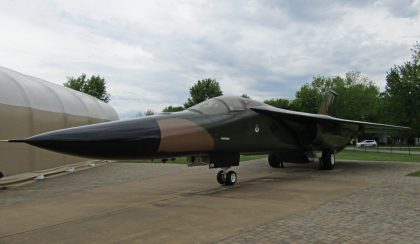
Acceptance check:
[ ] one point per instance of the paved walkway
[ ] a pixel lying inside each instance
(163, 203)
(389, 213)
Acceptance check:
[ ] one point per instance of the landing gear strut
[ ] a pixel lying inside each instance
(227, 178)
(327, 160)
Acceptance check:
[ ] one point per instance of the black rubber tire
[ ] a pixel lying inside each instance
(328, 159)
(221, 177)
(274, 160)
(231, 178)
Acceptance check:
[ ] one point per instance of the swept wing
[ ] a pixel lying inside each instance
(360, 127)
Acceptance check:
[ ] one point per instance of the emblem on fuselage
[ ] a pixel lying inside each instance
(257, 128)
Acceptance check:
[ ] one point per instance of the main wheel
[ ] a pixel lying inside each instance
(328, 159)
(231, 178)
(274, 161)
(221, 177)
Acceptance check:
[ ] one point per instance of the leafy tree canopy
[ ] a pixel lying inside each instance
(173, 109)
(357, 96)
(203, 90)
(149, 112)
(401, 99)
(94, 86)
(279, 103)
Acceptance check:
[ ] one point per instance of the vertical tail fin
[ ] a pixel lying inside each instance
(327, 104)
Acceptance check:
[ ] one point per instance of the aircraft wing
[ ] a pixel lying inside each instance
(308, 118)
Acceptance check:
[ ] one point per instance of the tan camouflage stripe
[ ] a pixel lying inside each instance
(180, 135)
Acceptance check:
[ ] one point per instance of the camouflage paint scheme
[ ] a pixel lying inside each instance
(222, 125)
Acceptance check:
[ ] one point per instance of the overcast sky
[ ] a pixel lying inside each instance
(151, 52)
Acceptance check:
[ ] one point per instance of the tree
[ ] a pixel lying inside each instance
(401, 99)
(173, 109)
(203, 90)
(308, 98)
(245, 96)
(358, 97)
(279, 103)
(94, 86)
(149, 112)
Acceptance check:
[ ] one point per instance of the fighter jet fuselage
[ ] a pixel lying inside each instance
(214, 132)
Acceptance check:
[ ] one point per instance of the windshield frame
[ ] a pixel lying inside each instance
(206, 109)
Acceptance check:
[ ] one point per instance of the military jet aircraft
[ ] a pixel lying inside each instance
(215, 133)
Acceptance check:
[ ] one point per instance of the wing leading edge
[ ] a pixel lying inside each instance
(307, 118)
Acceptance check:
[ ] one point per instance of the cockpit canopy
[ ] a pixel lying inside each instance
(224, 105)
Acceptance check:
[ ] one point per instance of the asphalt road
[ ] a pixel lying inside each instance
(156, 203)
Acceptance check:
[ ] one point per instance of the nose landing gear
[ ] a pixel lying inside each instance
(227, 177)
(223, 161)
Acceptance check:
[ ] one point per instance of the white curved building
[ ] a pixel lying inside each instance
(29, 106)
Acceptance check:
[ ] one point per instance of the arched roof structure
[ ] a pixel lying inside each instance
(27, 91)
(29, 106)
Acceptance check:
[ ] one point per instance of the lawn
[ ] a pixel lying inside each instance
(374, 156)
(412, 149)
(415, 173)
(386, 148)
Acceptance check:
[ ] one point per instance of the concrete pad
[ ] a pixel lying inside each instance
(157, 203)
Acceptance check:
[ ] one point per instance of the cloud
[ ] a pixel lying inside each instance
(151, 52)
(401, 9)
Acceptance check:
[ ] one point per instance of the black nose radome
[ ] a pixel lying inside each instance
(112, 140)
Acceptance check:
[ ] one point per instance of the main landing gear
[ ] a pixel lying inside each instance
(227, 177)
(327, 161)
(275, 161)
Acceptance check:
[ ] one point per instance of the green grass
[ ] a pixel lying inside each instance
(415, 173)
(387, 148)
(252, 157)
(183, 160)
(415, 149)
(374, 156)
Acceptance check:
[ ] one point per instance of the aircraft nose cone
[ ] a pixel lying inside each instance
(113, 140)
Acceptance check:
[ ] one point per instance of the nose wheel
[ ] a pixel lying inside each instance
(227, 178)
